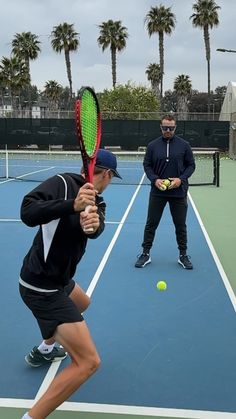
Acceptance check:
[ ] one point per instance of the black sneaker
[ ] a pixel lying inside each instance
(184, 261)
(143, 260)
(35, 358)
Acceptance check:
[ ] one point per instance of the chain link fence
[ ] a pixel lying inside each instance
(43, 113)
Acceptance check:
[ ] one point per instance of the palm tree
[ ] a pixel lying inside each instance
(26, 47)
(65, 38)
(162, 21)
(52, 92)
(153, 72)
(206, 17)
(13, 77)
(183, 88)
(113, 35)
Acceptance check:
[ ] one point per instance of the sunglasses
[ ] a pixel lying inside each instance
(165, 128)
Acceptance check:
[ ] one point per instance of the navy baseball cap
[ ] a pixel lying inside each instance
(107, 160)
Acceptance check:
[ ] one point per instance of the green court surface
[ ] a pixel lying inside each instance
(217, 208)
(15, 414)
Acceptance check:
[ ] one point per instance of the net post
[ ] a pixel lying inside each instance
(7, 162)
(217, 157)
(216, 168)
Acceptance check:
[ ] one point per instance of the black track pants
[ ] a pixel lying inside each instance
(178, 209)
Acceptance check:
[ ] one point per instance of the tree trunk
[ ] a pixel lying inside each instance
(29, 89)
(68, 69)
(182, 108)
(113, 66)
(208, 58)
(161, 54)
(156, 90)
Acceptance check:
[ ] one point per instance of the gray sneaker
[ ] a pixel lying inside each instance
(143, 260)
(35, 358)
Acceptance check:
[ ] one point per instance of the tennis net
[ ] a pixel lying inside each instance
(38, 165)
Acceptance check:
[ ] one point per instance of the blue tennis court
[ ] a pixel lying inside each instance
(164, 354)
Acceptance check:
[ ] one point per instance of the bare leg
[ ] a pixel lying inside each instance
(80, 299)
(50, 341)
(76, 340)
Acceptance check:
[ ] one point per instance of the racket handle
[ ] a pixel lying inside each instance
(88, 229)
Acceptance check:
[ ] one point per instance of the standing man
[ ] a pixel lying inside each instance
(167, 157)
(47, 287)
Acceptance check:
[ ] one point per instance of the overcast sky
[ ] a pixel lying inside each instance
(184, 49)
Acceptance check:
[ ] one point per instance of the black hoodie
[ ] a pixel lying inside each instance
(60, 241)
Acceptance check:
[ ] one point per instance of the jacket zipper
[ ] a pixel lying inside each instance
(167, 151)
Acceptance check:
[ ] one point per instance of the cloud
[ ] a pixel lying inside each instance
(184, 49)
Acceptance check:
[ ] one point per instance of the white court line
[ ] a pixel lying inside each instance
(54, 367)
(215, 257)
(10, 220)
(125, 410)
(146, 411)
(27, 174)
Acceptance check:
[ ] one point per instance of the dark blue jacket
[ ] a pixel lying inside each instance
(169, 158)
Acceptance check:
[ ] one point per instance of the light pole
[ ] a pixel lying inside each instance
(225, 50)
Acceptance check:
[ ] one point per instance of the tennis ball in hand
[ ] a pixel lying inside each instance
(161, 285)
(163, 187)
(167, 182)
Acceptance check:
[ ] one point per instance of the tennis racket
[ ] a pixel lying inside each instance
(88, 127)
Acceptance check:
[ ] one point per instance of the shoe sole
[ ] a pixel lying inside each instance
(143, 266)
(185, 267)
(30, 364)
(44, 363)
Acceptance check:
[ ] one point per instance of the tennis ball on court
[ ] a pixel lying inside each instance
(167, 182)
(163, 187)
(161, 285)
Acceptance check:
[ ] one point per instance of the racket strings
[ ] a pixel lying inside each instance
(89, 118)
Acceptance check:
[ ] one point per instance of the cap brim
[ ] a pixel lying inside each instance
(115, 173)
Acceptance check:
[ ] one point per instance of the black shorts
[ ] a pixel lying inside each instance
(51, 308)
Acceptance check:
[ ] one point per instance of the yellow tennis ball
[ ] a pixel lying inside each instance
(161, 285)
(163, 187)
(167, 182)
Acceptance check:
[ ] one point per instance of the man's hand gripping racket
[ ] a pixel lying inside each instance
(88, 127)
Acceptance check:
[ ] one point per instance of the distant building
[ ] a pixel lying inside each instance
(228, 113)
(5, 106)
(38, 110)
(229, 104)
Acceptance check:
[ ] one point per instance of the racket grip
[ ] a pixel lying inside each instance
(88, 229)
